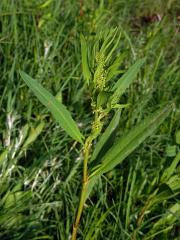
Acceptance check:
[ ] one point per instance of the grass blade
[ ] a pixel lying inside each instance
(167, 220)
(35, 132)
(171, 169)
(58, 110)
(84, 53)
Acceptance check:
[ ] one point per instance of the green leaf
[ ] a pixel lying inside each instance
(3, 156)
(35, 132)
(171, 151)
(171, 169)
(109, 38)
(167, 219)
(178, 137)
(164, 192)
(84, 54)
(105, 136)
(114, 70)
(174, 182)
(128, 77)
(90, 184)
(102, 99)
(128, 143)
(114, 47)
(58, 110)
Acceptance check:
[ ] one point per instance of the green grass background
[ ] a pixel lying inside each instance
(41, 166)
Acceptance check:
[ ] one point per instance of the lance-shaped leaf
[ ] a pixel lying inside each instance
(128, 143)
(127, 78)
(58, 110)
(84, 56)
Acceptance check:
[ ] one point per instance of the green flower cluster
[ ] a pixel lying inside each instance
(100, 73)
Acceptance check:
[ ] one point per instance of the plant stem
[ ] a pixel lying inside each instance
(87, 146)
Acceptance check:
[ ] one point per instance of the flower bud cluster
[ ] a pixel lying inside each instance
(96, 127)
(115, 98)
(100, 73)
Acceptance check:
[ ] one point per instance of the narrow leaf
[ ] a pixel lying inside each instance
(178, 137)
(84, 55)
(128, 143)
(114, 70)
(174, 183)
(108, 40)
(3, 156)
(113, 48)
(167, 219)
(171, 169)
(58, 110)
(128, 77)
(35, 132)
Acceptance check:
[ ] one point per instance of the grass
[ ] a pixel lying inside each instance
(41, 165)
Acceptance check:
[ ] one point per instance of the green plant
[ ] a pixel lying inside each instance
(100, 62)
